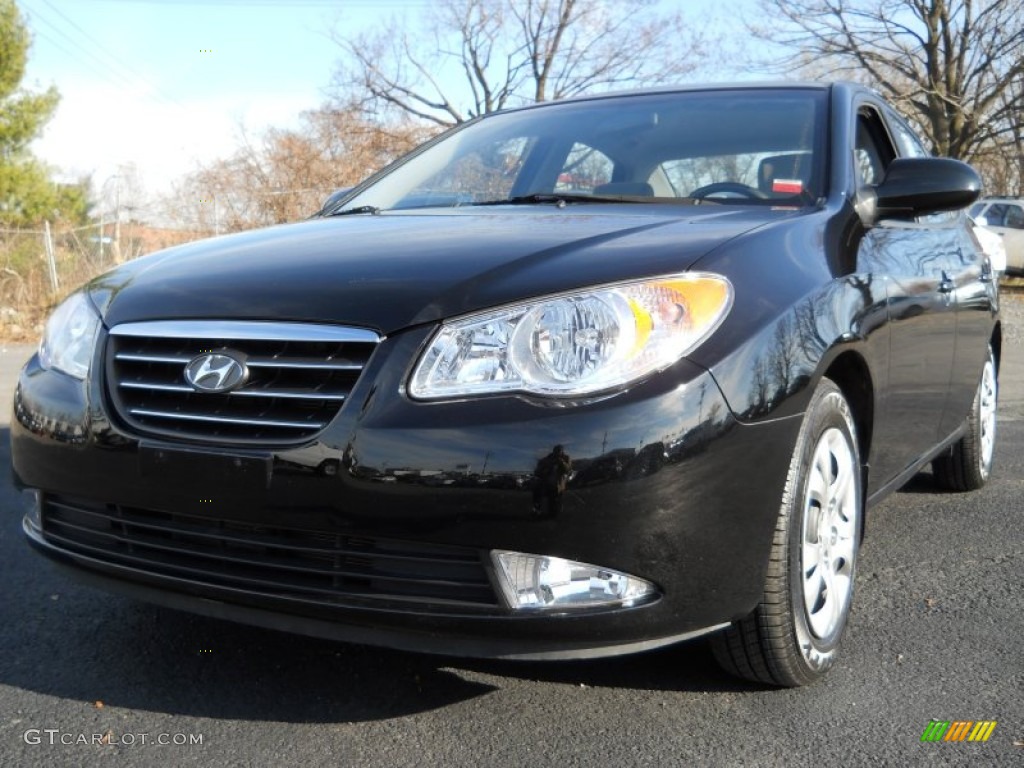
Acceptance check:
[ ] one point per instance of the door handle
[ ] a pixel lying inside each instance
(946, 285)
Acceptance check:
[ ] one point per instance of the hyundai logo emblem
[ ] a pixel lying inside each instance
(216, 372)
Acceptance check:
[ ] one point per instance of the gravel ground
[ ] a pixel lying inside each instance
(1012, 307)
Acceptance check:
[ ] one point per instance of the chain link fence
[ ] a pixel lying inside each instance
(39, 267)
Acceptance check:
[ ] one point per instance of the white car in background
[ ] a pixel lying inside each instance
(992, 245)
(1004, 218)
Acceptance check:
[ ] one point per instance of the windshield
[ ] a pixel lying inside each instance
(753, 146)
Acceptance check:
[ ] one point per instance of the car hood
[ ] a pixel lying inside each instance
(394, 270)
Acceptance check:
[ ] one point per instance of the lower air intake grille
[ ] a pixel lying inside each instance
(320, 566)
(294, 378)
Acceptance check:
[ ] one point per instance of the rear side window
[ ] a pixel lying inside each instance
(692, 172)
(584, 169)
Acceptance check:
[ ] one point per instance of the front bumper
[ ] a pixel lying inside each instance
(396, 497)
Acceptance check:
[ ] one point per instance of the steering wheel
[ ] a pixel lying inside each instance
(728, 188)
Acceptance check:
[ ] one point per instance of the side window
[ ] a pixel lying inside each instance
(907, 141)
(996, 215)
(584, 169)
(873, 151)
(1015, 217)
(869, 165)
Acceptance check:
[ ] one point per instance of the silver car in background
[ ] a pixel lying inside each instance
(1002, 217)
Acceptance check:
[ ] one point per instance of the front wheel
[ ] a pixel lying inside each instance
(792, 637)
(966, 466)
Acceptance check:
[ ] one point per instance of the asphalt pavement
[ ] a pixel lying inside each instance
(937, 633)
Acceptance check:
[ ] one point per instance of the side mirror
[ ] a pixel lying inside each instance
(917, 186)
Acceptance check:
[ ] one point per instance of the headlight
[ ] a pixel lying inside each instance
(573, 344)
(70, 337)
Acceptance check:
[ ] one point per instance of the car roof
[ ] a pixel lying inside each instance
(757, 85)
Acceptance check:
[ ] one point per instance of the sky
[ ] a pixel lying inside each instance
(162, 86)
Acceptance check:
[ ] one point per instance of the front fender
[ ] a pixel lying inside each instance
(773, 373)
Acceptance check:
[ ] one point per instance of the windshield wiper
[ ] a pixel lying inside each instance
(559, 199)
(371, 209)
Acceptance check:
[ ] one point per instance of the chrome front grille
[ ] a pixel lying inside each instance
(326, 567)
(299, 375)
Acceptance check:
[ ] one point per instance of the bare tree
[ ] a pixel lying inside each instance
(1002, 162)
(478, 56)
(954, 67)
(286, 175)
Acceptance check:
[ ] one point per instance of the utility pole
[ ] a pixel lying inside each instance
(115, 246)
(117, 220)
(51, 258)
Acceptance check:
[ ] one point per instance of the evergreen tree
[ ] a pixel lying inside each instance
(27, 196)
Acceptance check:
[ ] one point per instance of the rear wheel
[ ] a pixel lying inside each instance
(792, 637)
(966, 466)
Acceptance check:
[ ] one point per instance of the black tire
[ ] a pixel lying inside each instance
(967, 464)
(789, 640)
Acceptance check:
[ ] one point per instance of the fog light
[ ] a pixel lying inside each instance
(538, 582)
(31, 506)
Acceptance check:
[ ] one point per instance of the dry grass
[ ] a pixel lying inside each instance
(27, 294)
(1012, 284)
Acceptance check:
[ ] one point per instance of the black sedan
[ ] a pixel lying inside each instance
(572, 380)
